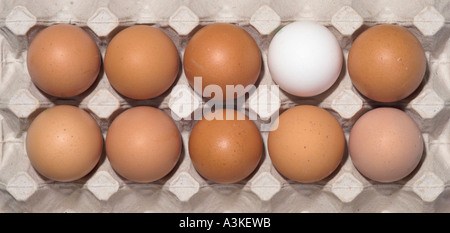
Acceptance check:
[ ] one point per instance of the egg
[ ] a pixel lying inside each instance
(385, 144)
(225, 146)
(64, 143)
(63, 60)
(143, 144)
(222, 55)
(304, 58)
(306, 144)
(141, 62)
(386, 63)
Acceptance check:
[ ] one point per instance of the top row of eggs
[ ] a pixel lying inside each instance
(386, 63)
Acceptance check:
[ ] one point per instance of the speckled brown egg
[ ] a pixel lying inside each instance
(64, 143)
(141, 62)
(63, 60)
(306, 144)
(225, 146)
(222, 54)
(143, 144)
(386, 63)
(385, 144)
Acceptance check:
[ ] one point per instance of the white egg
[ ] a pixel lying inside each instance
(304, 58)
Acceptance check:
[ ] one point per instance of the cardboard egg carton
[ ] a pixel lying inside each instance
(22, 189)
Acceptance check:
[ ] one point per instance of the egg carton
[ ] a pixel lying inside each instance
(22, 189)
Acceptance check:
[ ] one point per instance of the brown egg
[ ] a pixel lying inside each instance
(386, 63)
(225, 146)
(63, 60)
(64, 143)
(141, 62)
(307, 145)
(143, 144)
(222, 54)
(385, 144)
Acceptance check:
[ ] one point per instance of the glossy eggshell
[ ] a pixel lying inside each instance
(63, 60)
(385, 144)
(386, 63)
(64, 143)
(141, 62)
(222, 54)
(307, 145)
(225, 150)
(143, 144)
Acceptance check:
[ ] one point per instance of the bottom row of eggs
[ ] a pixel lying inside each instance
(143, 144)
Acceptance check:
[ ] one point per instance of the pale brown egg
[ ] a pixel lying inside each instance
(141, 62)
(225, 146)
(64, 143)
(63, 60)
(307, 145)
(222, 54)
(385, 144)
(143, 144)
(386, 63)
